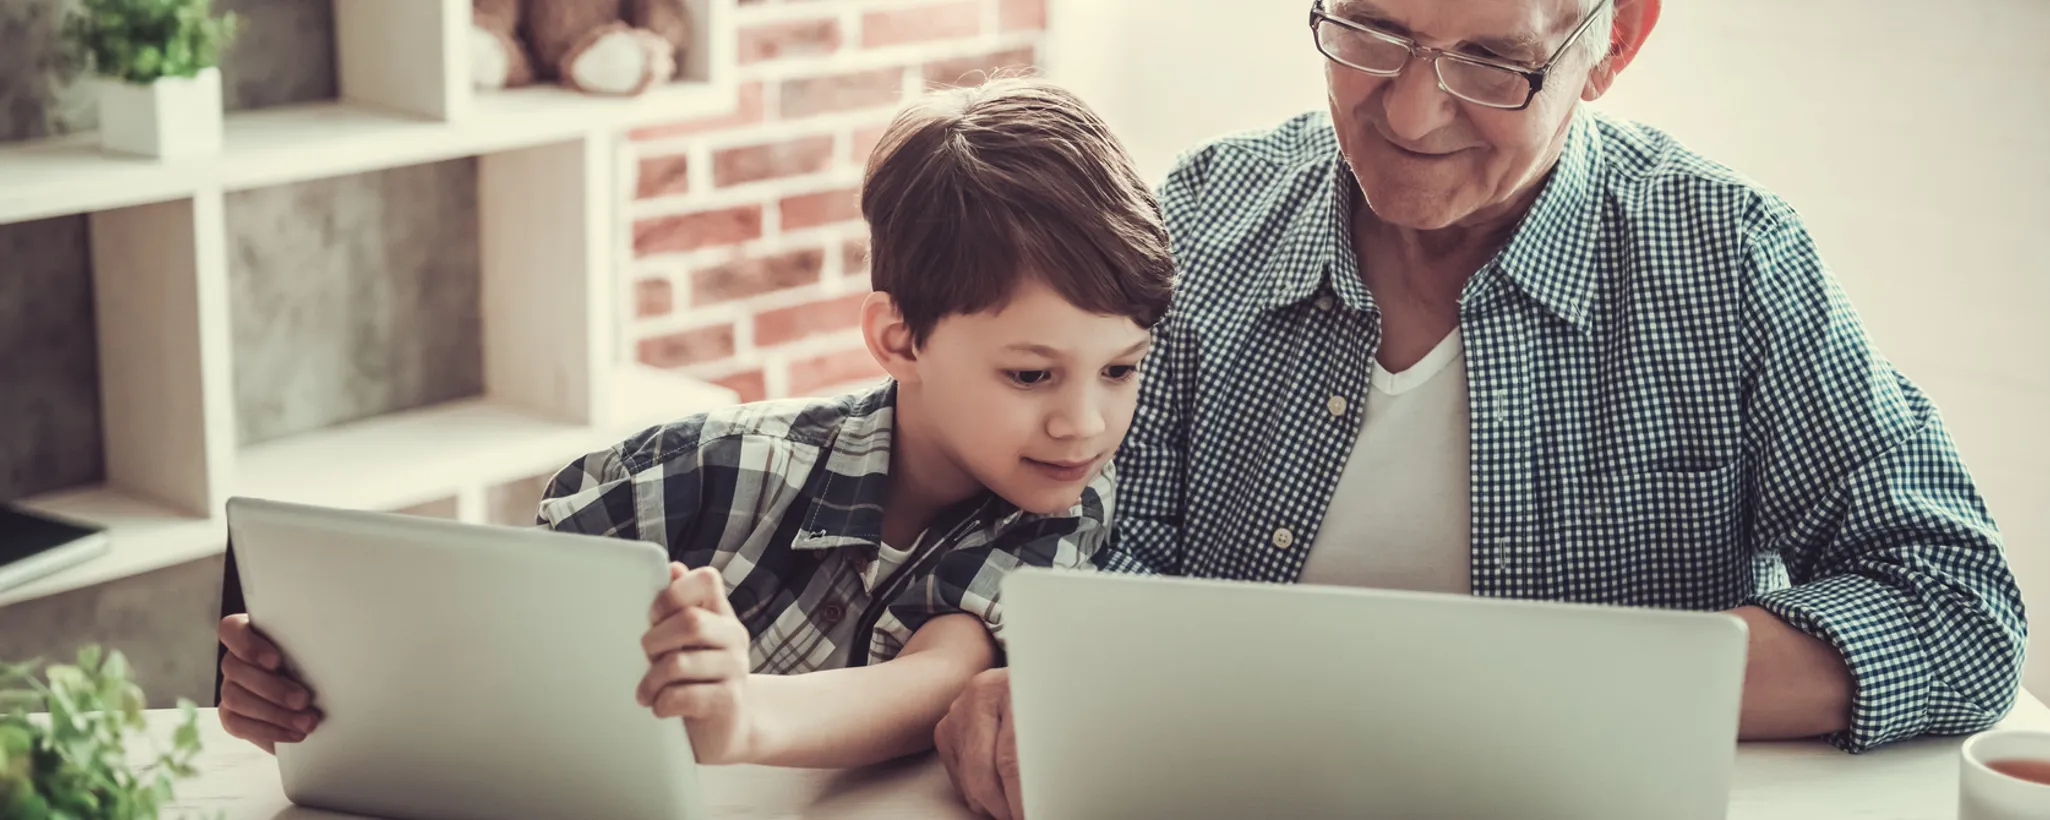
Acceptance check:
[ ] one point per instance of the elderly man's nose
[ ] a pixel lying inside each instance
(1413, 104)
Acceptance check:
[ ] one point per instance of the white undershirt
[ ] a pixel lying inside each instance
(1399, 518)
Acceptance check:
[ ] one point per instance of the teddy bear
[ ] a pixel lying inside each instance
(608, 47)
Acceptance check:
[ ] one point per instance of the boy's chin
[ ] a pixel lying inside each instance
(1043, 500)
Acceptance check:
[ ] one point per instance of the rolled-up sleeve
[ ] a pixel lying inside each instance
(1893, 557)
(593, 495)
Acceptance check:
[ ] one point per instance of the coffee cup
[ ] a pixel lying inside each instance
(2004, 774)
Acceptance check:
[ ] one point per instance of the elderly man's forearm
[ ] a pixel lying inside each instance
(1795, 685)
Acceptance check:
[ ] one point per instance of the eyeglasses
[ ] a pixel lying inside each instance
(1477, 80)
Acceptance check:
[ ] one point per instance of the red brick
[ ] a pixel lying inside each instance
(966, 71)
(747, 108)
(864, 143)
(854, 255)
(704, 229)
(796, 38)
(754, 277)
(694, 346)
(662, 176)
(822, 208)
(942, 21)
(809, 376)
(788, 324)
(1021, 15)
(751, 385)
(653, 297)
(754, 163)
(842, 92)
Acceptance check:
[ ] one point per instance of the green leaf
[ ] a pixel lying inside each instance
(76, 765)
(145, 40)
(89, 660)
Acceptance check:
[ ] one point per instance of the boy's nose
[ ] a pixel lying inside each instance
(1077, 420)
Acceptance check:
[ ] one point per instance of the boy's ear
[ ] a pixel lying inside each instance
(888, 337)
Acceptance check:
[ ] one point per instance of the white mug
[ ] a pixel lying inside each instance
(1986, 794)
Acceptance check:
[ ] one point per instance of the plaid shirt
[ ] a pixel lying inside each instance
(1672, 405)
(785, 499)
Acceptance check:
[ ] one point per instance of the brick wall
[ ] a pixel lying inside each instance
(749, 255)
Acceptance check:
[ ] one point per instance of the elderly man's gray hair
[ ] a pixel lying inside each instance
(1595, 43)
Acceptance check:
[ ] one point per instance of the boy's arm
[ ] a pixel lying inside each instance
(867, 714)
(698, 671)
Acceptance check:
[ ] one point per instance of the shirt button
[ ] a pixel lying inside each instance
(1336, 405)
(1323, 303)
(1283, 539)
(832, 613)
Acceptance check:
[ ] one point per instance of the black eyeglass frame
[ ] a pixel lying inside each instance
(1534, 78)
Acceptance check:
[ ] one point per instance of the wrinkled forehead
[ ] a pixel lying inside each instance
(1521, 28)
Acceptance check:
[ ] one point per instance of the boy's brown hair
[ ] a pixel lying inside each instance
(971, 190)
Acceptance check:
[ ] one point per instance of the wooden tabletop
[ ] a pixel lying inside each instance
(1916, 780)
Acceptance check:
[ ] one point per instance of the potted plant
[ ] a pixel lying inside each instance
(159, 81)
(65, 744)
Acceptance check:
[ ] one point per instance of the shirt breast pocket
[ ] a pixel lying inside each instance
(1658, 537)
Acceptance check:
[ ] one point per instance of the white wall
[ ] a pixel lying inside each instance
(1169, 74)
(1910, 136)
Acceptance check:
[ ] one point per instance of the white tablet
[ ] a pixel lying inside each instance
(464, 671)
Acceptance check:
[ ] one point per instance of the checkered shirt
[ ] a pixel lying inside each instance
(785, 499)
(1673, 405)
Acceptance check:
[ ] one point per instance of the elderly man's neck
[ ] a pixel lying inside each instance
(1432, 263)
(1482, 232)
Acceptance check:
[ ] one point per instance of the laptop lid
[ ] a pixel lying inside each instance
(1166, 697)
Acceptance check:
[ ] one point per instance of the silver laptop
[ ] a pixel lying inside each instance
(1141, 697)
(464, 671)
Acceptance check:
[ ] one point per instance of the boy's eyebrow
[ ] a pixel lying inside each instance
(1034, 349)
(1050, 353)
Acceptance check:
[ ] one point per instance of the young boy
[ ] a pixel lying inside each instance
(845, 554)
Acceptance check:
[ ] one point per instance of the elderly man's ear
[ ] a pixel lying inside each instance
(1634, 22)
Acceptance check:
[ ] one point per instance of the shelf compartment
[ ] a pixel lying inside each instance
(144, 536)
(393, 462)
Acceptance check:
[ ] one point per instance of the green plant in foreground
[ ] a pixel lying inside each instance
(73, 763)
(141, 41)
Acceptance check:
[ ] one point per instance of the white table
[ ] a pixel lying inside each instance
(1916, 780)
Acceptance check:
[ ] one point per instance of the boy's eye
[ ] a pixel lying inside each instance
(1029, 377)
(1120, 372)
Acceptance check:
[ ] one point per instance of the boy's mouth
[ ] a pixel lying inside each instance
(1063, 470)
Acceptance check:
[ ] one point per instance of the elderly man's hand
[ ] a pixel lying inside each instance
(976, 742)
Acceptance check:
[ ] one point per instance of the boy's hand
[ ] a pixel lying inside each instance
(698, 666)
(258, 703)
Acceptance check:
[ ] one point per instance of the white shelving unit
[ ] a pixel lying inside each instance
(554, 385)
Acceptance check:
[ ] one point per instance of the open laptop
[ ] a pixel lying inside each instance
(464, 671)
(1143, 697)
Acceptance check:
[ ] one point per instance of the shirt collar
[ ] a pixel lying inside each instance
(1551, 256)
(849, 490)
(1318, 244)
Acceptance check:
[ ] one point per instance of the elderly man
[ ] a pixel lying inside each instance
(1463, 334)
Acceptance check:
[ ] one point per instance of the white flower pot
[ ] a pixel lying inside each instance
(172, 117)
